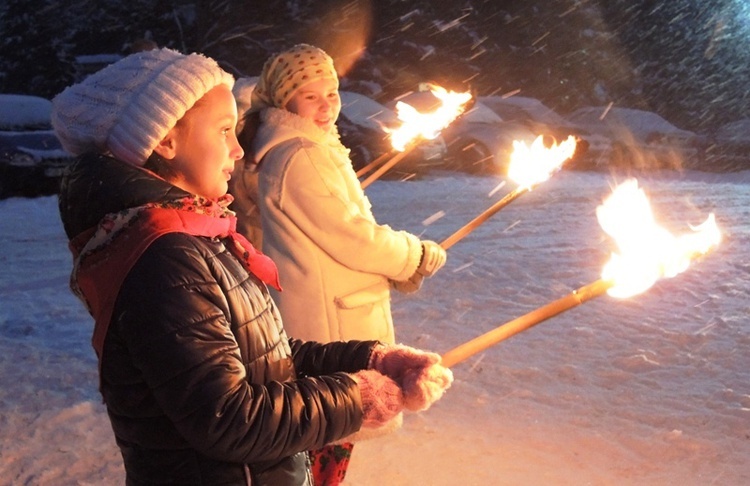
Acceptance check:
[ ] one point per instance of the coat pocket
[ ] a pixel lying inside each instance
(366, 313)
(368, 295)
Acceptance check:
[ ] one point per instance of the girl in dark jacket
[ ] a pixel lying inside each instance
(201, 383)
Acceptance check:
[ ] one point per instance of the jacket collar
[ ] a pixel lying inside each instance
(96, 185)
(278, 126)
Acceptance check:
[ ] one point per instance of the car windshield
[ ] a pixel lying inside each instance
(364, 111)
(481, 113)
(521, 108)
(587, 115)
(643, 119)
(43, 140)
(509, 112)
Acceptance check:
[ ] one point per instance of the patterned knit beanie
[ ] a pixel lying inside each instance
(284, 73)
(128, 107)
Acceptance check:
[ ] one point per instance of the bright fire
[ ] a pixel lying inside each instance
(648, 252)
(427, 125)
(530, 165)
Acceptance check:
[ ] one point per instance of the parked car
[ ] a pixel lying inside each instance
(728, 148)
(31, 158)
(479, 140)
(364, 125)
(478, 144)
(542, 120)
(640, 139)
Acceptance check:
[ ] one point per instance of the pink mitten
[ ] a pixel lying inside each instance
(394, 360)
(382, 398)
(424, 387)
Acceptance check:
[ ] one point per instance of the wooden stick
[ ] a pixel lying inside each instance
(384, 168)
(474, 223)
(511, 328)
(374, 163)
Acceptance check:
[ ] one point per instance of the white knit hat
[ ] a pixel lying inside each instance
(286, 72)
(128, 107)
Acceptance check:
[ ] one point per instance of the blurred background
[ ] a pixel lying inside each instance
(570, 66)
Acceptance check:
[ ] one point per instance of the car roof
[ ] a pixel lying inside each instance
(24, 112)
(533, 108)
(634, 119)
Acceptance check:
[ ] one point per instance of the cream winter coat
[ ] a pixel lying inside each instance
(335, 261)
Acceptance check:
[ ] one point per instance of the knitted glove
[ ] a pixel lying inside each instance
(382, 398)
(433, 258)
(409, 286)
(394, 360)
(424, 387)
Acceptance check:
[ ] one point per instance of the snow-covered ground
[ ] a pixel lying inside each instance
(651, 390)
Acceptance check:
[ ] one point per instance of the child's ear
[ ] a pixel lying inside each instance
(167, 147)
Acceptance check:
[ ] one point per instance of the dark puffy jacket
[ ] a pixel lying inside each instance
(200, 381)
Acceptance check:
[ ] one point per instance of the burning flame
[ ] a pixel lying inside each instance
(427, 125)
(647, 251)
(530, 165)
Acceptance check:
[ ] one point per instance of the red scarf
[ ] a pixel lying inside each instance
(105, 255)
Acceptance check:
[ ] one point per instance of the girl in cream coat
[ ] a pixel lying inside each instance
(336, 263)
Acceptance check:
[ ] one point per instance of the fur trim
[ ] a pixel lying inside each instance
(279, 126)
(308, 128)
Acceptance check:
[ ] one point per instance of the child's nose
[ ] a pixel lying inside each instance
(237, 152)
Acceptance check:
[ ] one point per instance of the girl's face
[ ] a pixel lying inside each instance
(317, 101)
(202, 148)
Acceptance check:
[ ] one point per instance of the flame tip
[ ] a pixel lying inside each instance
(535, 163)
(427, 126)
(648, 252)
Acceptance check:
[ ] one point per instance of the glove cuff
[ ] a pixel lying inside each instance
(376, 357)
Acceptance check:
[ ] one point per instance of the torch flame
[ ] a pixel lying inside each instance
(427, 125)
(530, 165)
(648, 252)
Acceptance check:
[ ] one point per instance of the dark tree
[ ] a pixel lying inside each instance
(685, 59)
(36, 56)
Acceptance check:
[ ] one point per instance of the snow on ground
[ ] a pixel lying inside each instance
(650, 390)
